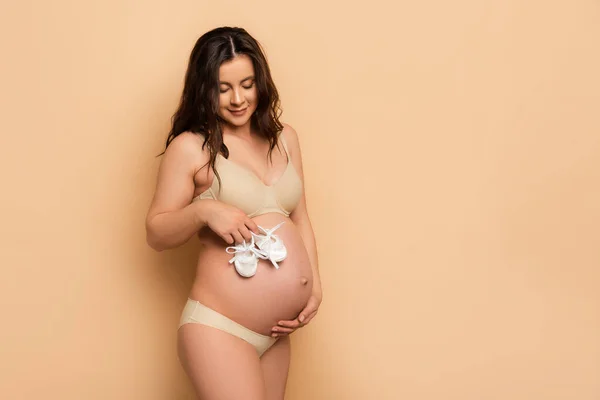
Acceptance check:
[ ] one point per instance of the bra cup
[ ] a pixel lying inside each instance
(288, 191)
(244, 194)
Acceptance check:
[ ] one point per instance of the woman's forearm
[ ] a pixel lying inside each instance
(172, 229)
(308, 237)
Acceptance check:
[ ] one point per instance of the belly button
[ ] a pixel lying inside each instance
(303, 280)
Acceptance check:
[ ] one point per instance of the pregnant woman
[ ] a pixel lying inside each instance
(232, 173)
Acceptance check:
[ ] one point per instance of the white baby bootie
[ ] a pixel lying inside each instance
(245, 258)
(271, 245)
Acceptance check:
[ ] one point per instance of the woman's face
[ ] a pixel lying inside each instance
(237, 90)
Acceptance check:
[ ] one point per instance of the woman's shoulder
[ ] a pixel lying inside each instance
(188, 141)
(290, 136)
(187, 146)
(288, 132)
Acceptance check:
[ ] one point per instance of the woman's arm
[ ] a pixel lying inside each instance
(171, 220)
(300, 218)
(300, 214)
(302, 221)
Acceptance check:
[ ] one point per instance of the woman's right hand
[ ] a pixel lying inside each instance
(227, 221)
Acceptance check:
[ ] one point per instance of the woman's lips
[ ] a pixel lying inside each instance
(238, 113)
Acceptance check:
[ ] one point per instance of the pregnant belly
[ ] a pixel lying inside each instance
(262, 300)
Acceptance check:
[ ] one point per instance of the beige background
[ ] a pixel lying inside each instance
(452, 157)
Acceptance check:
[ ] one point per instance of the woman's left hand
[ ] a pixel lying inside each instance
(286, 327)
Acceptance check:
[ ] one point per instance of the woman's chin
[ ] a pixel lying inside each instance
(235, 122)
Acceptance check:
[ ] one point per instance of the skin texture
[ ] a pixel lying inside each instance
(237, 91)
(273, 302)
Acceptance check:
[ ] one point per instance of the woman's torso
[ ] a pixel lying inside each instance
(271, 295)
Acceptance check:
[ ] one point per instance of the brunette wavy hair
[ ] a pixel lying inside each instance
(197, 110)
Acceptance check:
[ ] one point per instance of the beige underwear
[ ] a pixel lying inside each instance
(197, 313)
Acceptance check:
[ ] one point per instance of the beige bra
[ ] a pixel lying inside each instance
(243, 189)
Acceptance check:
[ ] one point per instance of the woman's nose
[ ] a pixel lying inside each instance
(236, 99)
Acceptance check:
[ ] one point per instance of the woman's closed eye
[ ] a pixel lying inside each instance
(224, 90)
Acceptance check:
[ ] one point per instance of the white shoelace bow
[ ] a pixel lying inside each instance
(266, 238)
(268, 232)
(243, 248)
(251, 248)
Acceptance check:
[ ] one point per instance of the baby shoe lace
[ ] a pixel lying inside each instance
(267, 241)
(244, 249)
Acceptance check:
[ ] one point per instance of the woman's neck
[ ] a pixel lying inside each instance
(243, 132)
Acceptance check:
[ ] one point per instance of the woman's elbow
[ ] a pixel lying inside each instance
(152, 238)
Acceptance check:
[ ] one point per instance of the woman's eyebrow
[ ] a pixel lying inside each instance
(242, 81)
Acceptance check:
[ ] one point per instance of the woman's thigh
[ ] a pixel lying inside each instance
(220, 365)
(275, 364)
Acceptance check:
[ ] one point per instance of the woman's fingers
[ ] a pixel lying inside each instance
(289, 324)
(245, 233)
(237, 236)
(228, 238)
(280, 329)
(287, 327)
(295, 323)
(309, 318)
(251, 225)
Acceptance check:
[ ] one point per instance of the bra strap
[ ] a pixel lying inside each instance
(287, 152)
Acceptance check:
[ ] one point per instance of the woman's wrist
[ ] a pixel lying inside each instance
(318, 293)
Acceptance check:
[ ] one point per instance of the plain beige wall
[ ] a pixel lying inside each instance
(452, 157)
